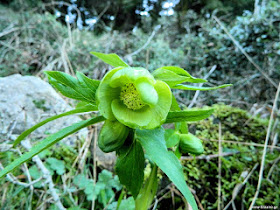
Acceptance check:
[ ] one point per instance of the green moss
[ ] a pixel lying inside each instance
(238, 126)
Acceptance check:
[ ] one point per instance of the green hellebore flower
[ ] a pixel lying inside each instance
(133, 97)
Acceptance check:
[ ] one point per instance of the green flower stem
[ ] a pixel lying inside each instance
(49, 141)
(147, 193)
(120, 198)
(71, 112)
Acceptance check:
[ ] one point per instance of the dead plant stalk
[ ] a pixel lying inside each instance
(265, 148)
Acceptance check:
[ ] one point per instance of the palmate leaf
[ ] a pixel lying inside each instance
(82, 88)
(111, 59)
(188, 115)
(190, 87)
(49, 141)
(85, 108)
(154, 144)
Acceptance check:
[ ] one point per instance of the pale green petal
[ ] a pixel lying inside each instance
(105, 94)
(147, 93)
(131, 118)
(127, 75)
(120, 78)
(160, 110)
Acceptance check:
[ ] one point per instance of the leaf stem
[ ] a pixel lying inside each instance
(148, 192)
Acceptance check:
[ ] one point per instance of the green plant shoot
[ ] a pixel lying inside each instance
(134, 104)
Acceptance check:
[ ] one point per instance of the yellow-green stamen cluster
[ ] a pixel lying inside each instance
(131, 97)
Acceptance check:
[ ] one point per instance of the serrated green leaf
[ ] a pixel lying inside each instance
(90, 84)
(177, 70)
(90, 191)
(81, 181)
(56, 165)
(87, 87)
(49, 141)
(85, 108)
(65, 90)
(111, 181)
(63, 78)
(35, 173)
(173, 75)
(130, 167)
(188, 115)
(105, 176)
(111, 59)
(154, 144)
(190, 87)
(115, 183)
(127, 204)
(82, 89)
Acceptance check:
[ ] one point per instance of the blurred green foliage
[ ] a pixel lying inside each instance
(76, 188)
(124, 15)
(40, 42)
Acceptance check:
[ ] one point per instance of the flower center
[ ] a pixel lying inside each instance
(131, 97)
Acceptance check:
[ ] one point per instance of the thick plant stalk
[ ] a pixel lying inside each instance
(148, 192)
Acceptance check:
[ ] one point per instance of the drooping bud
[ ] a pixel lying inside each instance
(190, 144)
(112, 136)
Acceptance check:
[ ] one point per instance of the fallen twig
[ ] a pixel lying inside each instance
(200, 85)
(147, 43)
(239, 186)
(208, 157)
(94, 163)
(220, 149)
(46, 174)
(272, 168)
(7, 31)
(265, 148)
(244, 143)
(14, 180)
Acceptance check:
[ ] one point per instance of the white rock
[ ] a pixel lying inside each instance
(27, 100)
